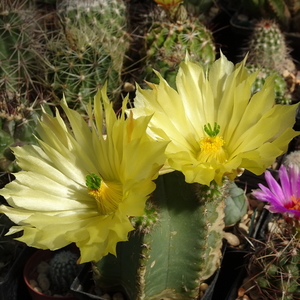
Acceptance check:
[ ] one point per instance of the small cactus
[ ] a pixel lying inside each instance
(18, 120)
(20, 41)
(88, 49)
(169, 39)
(269, 54)
(267, 48)
(274, 266)
(62, 271)
(282, 95)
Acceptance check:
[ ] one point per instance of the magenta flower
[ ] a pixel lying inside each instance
(284, 197)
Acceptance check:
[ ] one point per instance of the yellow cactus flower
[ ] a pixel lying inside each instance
(216, 126)
(82, 186)
(168, 3)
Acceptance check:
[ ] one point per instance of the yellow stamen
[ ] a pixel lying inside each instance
(212, 148)
(108, 196)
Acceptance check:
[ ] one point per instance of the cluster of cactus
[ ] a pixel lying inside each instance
(176, 245)
(88, 49)
(62, 271)
(268, 52)
(275, 265)
(167, 40)
(18, 120)
(20, 40)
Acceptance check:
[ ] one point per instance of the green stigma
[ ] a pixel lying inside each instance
(93, 181)
(212, 132)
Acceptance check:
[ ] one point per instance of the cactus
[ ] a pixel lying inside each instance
(267, 47)
(62, 271)
(282, 95)
(268, 53)
(169, 39)
(18, 120)
(274, 267)
(88, 50)
(236, 204)
(20, 40)
(180, 248)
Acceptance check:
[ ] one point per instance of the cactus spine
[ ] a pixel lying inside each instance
(169, 38)
(89, 49)
(179, 251)
(20, 40)
(274, 267)
(269, 53)
(267, 47)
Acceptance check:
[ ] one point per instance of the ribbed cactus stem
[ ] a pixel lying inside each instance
(267, 47)
(178, 253)
(88, 50)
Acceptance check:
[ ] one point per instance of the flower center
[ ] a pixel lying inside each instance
(108, 195)
(211, 146)
(296, 202)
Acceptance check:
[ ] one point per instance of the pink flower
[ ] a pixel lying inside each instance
(284, 197)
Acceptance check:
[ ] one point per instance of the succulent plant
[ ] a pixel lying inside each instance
(269, 54)
(274, 266)
(285, 12)
(88, 49)
(18, 120)
(20, 40)
(201, 9)
(282, 95)
(63, 270)
(177, 249)
(267, 47)
(169, 38)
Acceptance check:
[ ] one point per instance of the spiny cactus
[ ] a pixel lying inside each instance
(63, 270)
(18, 120)
(282, 95)
(89, 49)
(179, 250)
(274, 267)
(168, 40)
(20, 40)
(202, 9)
(267, 47)
(268, 53)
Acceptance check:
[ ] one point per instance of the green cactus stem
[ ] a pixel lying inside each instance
(88, 50)
(267, 48)
(178, 251)
(20, 41)
(282, 95)
(63, 270)
(18, 121)
(167, 42)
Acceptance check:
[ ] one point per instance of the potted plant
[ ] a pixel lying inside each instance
(49, 274)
